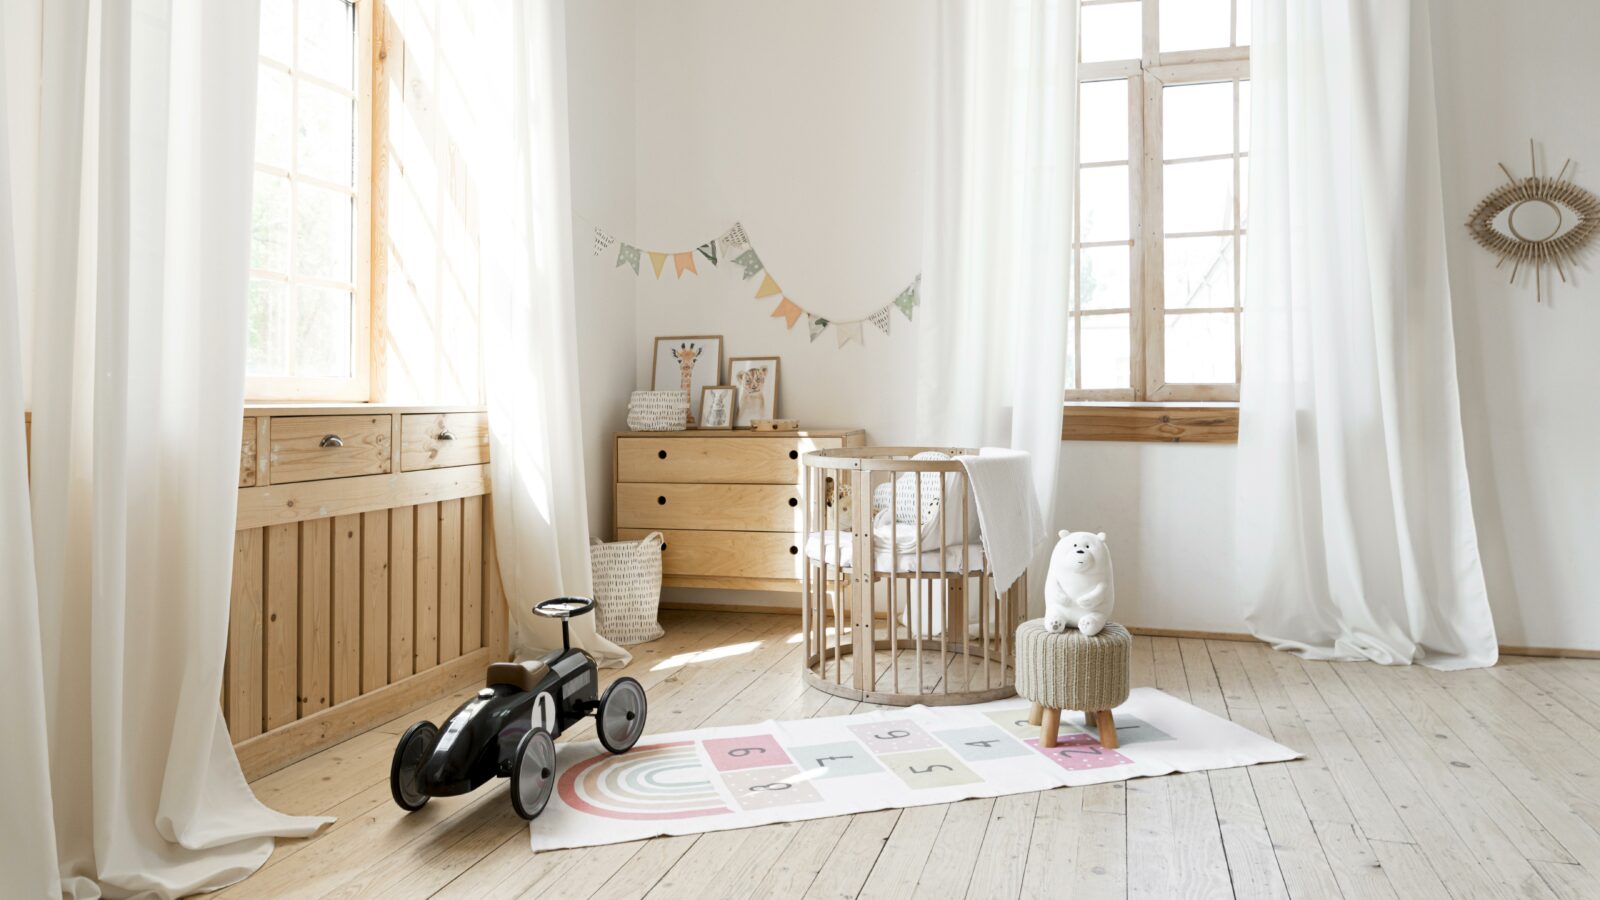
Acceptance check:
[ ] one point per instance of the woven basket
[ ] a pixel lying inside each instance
(658, 411)
(627, 589)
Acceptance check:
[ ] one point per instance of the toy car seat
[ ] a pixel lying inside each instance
(524, 676)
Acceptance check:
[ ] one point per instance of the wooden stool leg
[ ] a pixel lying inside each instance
(1088, 718)
(1108, 729)
(1037, 715)
(1052, 724)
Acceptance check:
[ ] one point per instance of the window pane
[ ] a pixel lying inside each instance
(1243, 25)
(269, 224)
(1103, 277)
(1105, 351)
(267, 324)
(322, 332)
(1197, 120)
(1198, 196)
(1199, 348)
(1103, 204)
(327, 41)
(1195, 24)
(327, 127)
(1244, 117)
(273, 88)
(1109, 32)
(323, 233)
(1244, 192)
(1198, 272)
(1103, 121)
(277, 30)
(1244, 267)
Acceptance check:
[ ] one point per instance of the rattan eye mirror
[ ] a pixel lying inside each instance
(1536, 221)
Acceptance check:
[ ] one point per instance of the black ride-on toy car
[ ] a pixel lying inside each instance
(508, 729)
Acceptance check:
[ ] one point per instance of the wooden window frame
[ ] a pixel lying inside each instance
(1146, 77)
(366, 382)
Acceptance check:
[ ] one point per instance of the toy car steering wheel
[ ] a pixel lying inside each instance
(564, 607)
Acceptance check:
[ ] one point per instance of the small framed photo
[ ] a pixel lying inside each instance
(687, 364)
(716, 406)
(755, 382)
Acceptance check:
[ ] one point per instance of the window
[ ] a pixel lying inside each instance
(309, 308)
(1163, 132)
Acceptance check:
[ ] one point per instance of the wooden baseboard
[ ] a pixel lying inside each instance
(267, 753)
(1505, 649)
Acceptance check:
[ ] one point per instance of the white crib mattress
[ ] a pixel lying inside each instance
(907, 561)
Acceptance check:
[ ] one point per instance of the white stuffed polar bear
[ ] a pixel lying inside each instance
(1078, 591)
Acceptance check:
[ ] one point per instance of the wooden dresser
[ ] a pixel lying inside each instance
(727, 502)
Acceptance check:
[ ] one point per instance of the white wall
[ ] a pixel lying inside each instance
(805, 121)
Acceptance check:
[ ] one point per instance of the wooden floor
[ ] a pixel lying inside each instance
(1417, 784)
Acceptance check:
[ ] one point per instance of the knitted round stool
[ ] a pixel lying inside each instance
(1073, 671)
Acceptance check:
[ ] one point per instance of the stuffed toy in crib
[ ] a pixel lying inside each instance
(1078, 591)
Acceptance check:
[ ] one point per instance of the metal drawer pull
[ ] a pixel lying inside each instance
(447, 435)
(331, 440)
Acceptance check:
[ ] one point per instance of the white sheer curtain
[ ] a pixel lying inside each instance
(529, 325)
(118, 772)
(998, 248)
(1355, 528)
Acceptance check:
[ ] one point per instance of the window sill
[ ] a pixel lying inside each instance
(1159, 423)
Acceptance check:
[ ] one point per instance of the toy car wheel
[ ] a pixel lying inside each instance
(404, 771)
(534, 773)
(620, 719)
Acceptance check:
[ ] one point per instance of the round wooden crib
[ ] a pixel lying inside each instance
(881, 589)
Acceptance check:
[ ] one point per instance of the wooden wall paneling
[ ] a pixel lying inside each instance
(282, 627)
(402, 593)
(346, 608)
(449, 580)
(279, 503)
(426, 642)
(246, 641)
(471, 574)
(374, 600)
(316, 614)
(263, 439)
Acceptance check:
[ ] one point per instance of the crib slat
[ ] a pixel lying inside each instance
(966, 543)
(944, 602)
(894, 581)
(983, 617)
(805, 563)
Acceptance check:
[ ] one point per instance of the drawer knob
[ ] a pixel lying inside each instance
(663, 546)
(661, 454)
(794, 454)
(447, 435)
(793, 550)
(661, 501)
(331, 440)
(793, 501)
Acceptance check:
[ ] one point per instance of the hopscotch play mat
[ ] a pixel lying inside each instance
(713, 779)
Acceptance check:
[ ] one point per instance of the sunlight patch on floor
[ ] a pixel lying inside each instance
(702, 656)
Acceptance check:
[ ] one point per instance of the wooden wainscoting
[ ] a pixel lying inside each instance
(354, 598)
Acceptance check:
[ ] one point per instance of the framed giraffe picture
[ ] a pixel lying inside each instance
(687, 364)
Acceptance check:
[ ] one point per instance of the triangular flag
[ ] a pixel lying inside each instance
(628, 255)
(816, 324)
(848, 331)
(683, 261)
(709, 251)
(908, 297)
(768, 287)
(750, 261)
(880, 319)
(735, 236)
(788, 311)
(602, 240)
(658, 260)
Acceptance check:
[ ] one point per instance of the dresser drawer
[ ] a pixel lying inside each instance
(311, 448)
(724, 460)
(725, 554)
(438, 440)
(709, 507)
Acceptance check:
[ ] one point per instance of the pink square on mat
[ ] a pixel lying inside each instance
(751, 752)
(1079, 753)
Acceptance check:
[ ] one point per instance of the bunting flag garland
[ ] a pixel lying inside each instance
(880, 319)
(628, 255)
(787, 311)
(682, 261)
(750, 261)
(735, 244)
